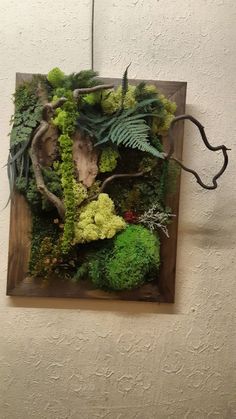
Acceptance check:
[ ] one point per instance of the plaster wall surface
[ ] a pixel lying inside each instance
(64, 359)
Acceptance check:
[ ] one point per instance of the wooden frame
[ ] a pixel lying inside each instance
(159, 290)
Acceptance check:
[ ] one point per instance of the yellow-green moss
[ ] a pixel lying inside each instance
(112, 100)
(108, 160)
(97, 220)
(56, 77)
(65, 119)
(161, 125)
(80, 192)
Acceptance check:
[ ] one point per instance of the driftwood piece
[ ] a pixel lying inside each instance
(85, 158)
(48, 150)
(86, 90)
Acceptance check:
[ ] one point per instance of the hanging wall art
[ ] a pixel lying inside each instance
(94, 172)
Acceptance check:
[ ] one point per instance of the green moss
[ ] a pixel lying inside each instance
(45, 234)
(108, 160)
(80, 192)
(56, 77)
(92, 98)
(128, 263)
(164, 107)
(135, 253)
(66, 117)
(65, 120)
(112, 100)
(67, 180)
(161, 125)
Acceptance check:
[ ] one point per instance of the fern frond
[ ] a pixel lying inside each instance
(131, 132)
(124, 85)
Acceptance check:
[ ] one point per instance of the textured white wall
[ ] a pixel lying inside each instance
(82, 360)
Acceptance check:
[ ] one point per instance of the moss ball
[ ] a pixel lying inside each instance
(125, 265)
(135, 253)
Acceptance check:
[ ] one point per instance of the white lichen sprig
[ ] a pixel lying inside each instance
(156, 217)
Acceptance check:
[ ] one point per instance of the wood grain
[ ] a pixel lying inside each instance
(161, 289)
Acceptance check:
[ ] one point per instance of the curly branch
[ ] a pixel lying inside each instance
(118, 176)
(223, 148)
(86, 90)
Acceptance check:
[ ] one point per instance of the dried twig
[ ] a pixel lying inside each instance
(155, 218)
(119, 176)
(86, 90)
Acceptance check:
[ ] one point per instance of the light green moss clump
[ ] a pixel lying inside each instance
(112, 100)
(97, 220)
(80, 192)
(161, 125)
(108, 160)
(56, 77)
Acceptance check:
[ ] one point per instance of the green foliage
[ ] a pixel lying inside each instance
(164, 108)
(56, 77)
(145, 91)
(30, 191)
(127, 263)
(124, 86)
(137, 194)
(28, 113)
(108, 160)
(128, 128)
(132, 132)
(85, 78)
(97, 220)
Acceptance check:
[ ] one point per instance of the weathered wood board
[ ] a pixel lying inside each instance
(161, 289)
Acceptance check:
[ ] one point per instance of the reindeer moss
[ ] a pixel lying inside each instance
(97, 220)
(108, 160)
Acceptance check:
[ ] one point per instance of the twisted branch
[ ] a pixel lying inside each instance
(35, 145)
(223, 148)
(86, 90)
(118, 176)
